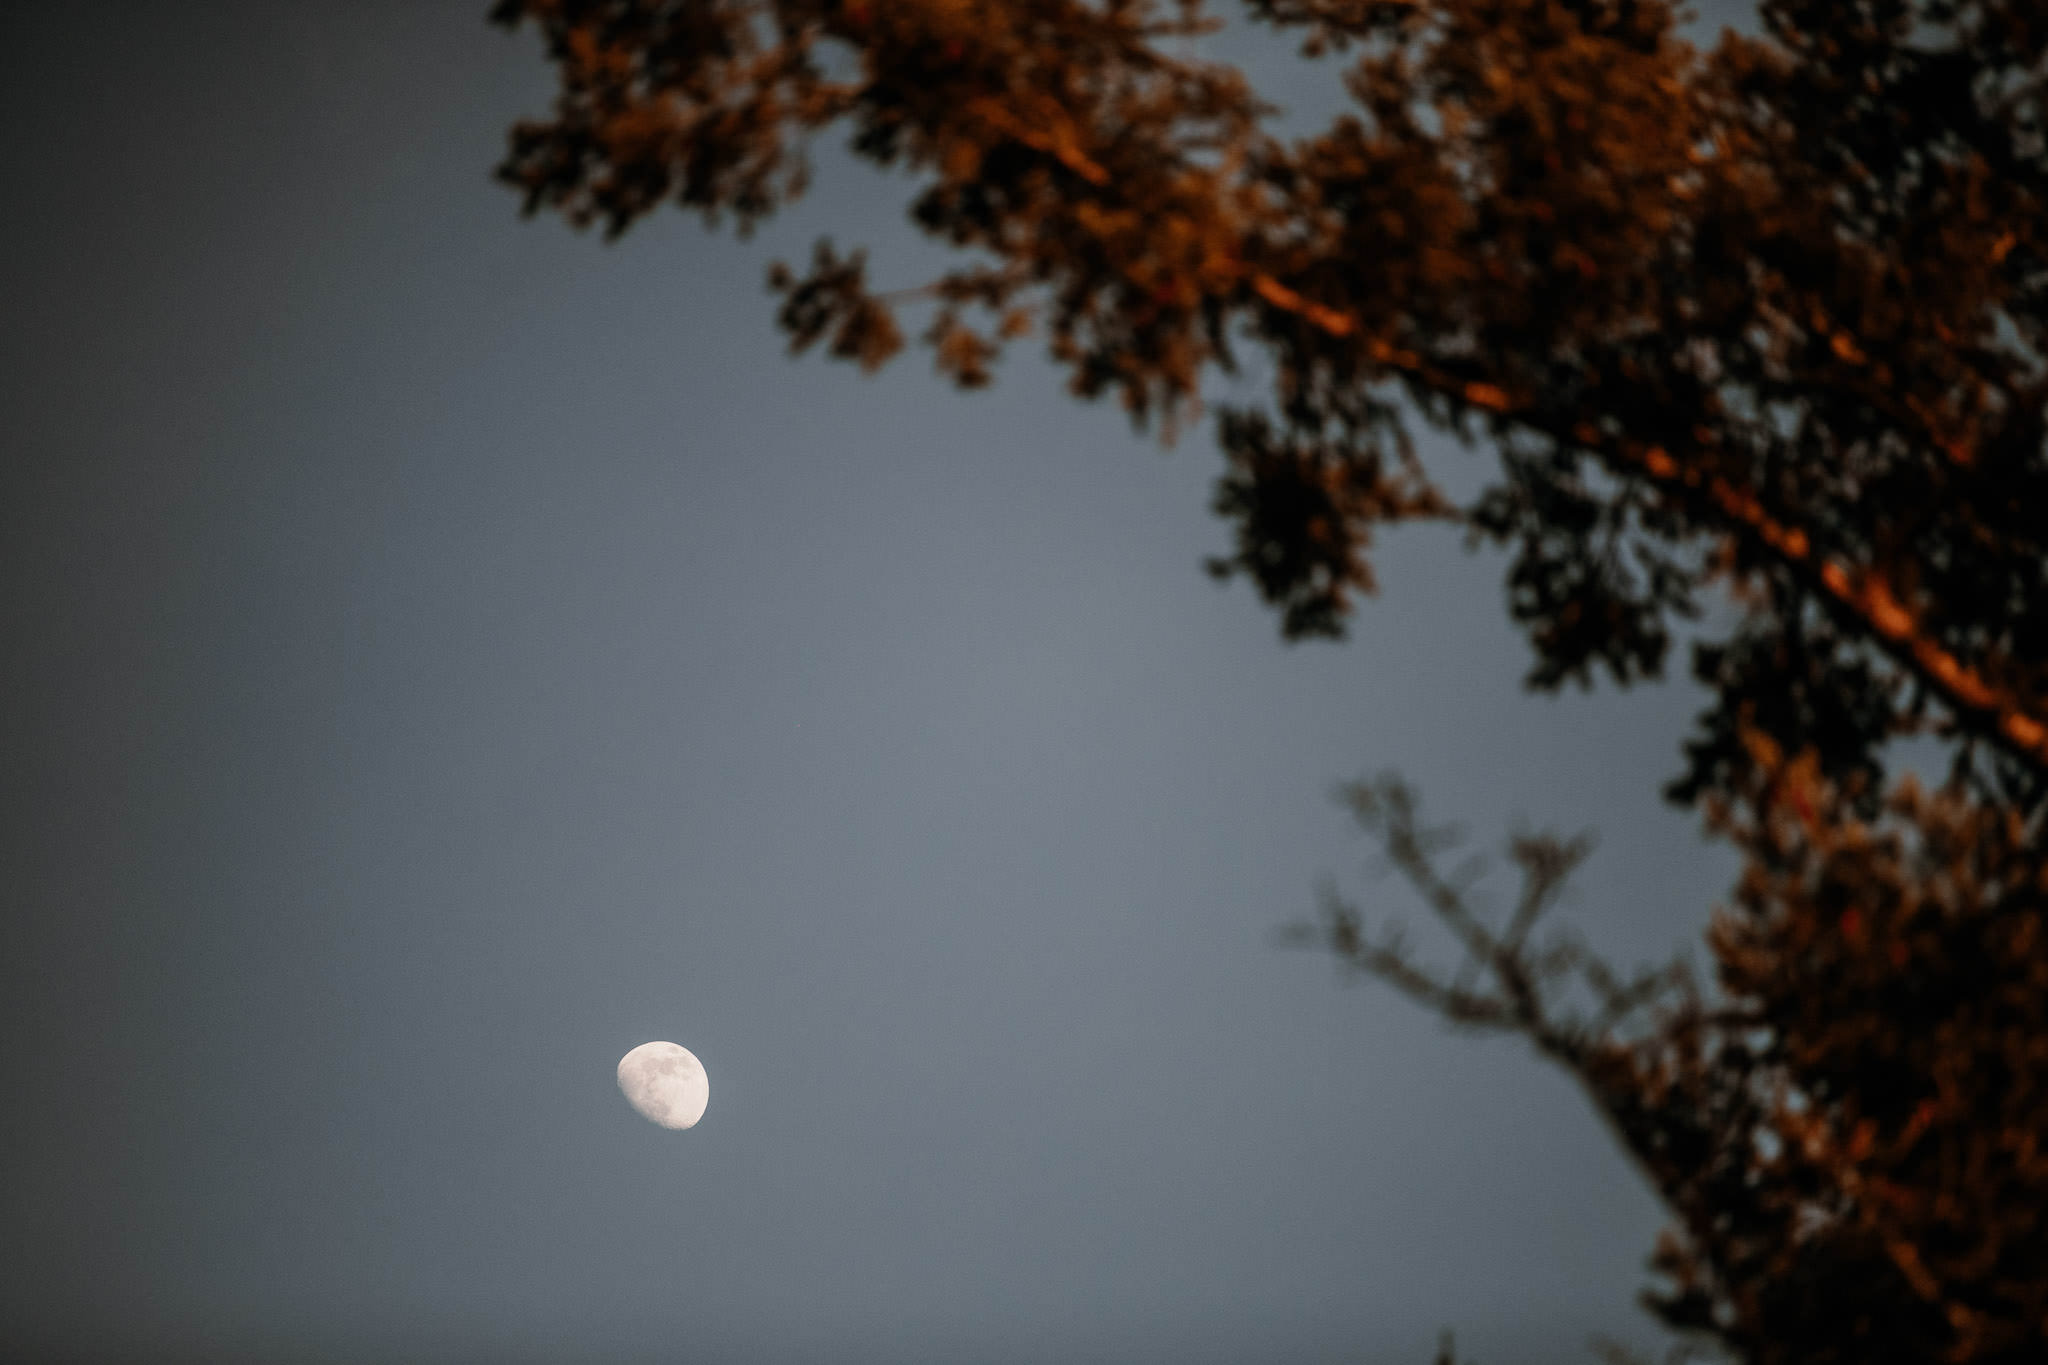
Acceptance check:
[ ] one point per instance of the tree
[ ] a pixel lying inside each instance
(1766, 320)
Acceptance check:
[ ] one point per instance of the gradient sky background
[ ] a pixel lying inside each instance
(444, 652)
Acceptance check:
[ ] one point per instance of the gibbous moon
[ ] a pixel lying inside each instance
(666, 1083)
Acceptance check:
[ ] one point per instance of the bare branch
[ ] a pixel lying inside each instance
(1501, 980)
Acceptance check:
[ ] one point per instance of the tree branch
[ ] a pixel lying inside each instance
(1522, 995)
(1863, 595)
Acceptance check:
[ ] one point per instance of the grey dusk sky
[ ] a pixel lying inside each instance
(443, 651)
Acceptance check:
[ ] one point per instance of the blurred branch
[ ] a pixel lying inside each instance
(1503, 981)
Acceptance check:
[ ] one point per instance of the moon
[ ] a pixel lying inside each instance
(666, 1083)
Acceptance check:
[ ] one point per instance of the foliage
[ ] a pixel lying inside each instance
(1766, 320)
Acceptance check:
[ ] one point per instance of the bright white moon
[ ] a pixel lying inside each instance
(666, 1083)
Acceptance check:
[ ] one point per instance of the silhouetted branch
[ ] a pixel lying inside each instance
(1502, 981)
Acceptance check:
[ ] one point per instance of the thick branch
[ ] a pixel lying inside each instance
(1977, 702)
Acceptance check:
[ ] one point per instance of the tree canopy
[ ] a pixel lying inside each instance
(1764, 321)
